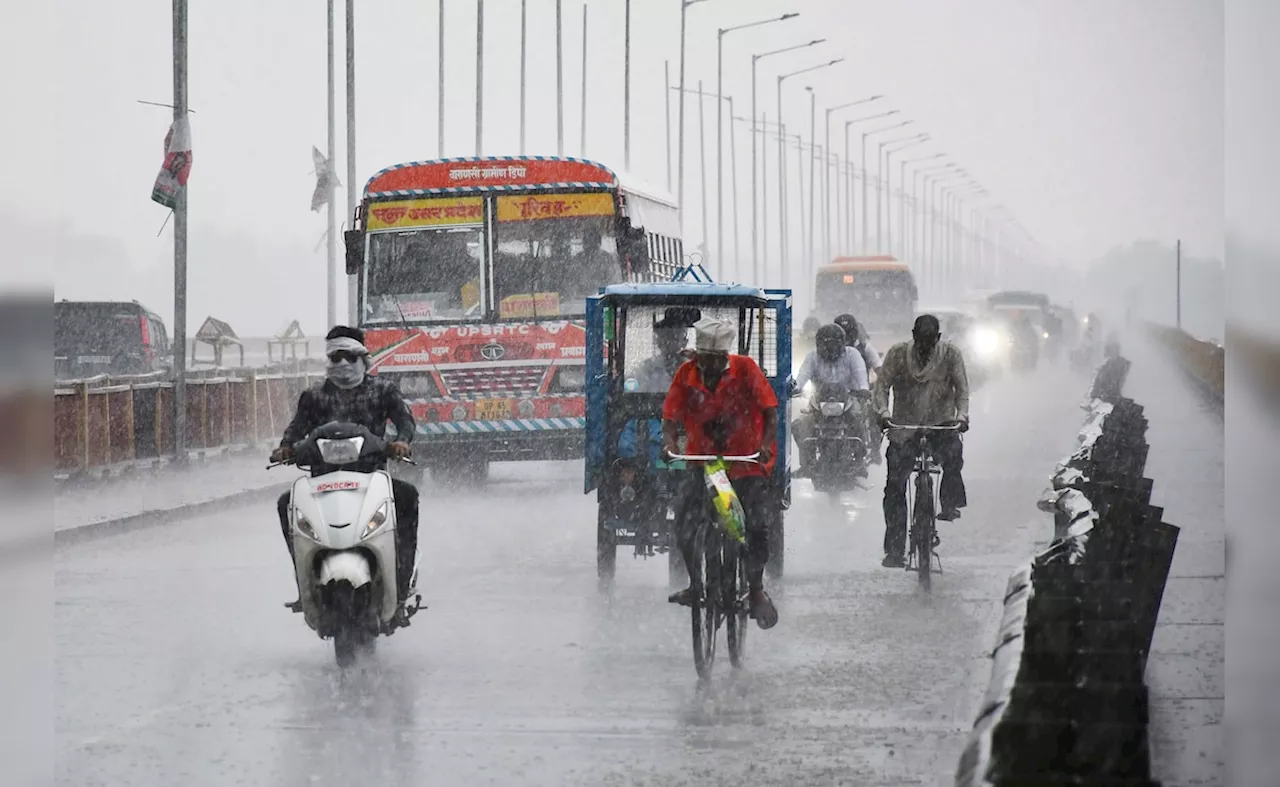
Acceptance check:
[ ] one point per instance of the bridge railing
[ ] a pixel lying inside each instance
(104, 423)
(1067, 702)
(1202, 360)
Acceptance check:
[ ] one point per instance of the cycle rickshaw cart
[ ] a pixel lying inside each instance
(635, 488)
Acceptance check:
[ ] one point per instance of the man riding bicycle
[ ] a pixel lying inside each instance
(930, 388)
(832, 362)
(725, 405)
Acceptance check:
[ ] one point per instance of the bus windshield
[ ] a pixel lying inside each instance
(426, 274)
(843, 290)
(548, 263)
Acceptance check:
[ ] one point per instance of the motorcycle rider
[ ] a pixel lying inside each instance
(927, 378)
(832, 362)
(350, 394)
(726, 407)
(855, 337)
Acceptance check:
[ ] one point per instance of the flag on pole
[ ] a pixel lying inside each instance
(326, 180)
(177, 164)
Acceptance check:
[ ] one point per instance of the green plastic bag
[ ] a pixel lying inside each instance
(728, 507)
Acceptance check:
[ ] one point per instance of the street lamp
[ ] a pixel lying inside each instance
(888, 186)
(755, 249)
(733, 166)
(850, 234)
(720, 34)
(781, 149)
(684, 10)
(826, 181)
(917, 226)
(866, 134)
(902, 198)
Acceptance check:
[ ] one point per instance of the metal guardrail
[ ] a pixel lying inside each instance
(1067, 703)
(105, 422)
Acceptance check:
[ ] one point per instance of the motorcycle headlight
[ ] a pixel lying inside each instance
(340, 452)
(832, 409)
(375, 522)
(305, 528)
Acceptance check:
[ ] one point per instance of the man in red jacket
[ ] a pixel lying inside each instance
(725, 405)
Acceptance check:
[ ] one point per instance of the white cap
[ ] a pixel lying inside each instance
(714, 335)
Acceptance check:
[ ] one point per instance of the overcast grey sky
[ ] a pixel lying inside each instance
(1096, 122)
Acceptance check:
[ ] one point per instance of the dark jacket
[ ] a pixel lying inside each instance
(371, 404)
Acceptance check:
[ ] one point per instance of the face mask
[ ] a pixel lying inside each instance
(346, 374)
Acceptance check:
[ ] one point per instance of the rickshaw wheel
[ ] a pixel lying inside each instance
(606, 546)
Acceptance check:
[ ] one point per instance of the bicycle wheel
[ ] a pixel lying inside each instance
(736, 607)
(923, 526)
(704, 609)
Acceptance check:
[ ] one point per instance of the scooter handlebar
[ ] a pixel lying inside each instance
(750, 458)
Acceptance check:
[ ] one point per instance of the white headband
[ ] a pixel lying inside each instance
(346, 343)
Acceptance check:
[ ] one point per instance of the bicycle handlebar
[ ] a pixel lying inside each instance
(923, 428)
(712, 457)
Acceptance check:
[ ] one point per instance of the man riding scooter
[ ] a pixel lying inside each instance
(349, 394)
(855, 338)
(834, 362)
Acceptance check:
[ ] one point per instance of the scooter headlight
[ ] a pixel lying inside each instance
(304, 527)
(832, 409)
(375, 522)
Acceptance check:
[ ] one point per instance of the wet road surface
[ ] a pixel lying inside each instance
(177, 664)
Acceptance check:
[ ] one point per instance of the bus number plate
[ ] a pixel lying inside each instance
(493, 409)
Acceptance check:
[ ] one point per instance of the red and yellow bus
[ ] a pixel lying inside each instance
(473, 275)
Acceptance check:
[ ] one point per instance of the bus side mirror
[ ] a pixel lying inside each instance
(355, 251)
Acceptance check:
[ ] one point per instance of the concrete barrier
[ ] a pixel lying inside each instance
(1067, 702)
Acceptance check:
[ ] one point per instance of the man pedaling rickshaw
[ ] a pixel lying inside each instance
(726, 406)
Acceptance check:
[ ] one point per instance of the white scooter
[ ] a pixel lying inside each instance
(343, 519)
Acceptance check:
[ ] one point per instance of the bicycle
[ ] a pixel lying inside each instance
(922, 512)
(719, 579)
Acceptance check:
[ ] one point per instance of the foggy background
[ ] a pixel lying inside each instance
(1097, 124)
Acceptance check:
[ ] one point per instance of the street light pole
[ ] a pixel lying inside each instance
(902, 200)
(352, 202)
(763, 211)
(702, 162)
(331, 259)
(865, 135)
(582, 145)
(180, 243)
(720, 34)
(479, 76)
(524, 62)
(782, 157)
(626, 91)
(888, 188)
(666, 94)
(826, 180)
(850, 230)
(440, 90)
(882, 179)
(684, 11)
(559, 79)
(813, 128)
